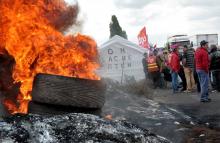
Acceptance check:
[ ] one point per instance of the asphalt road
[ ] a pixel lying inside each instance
(189, 103)
(176, 117)
(171, 116)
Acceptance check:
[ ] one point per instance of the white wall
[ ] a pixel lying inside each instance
(121, 62)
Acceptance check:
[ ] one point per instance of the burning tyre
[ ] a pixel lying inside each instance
(37, 45)
(68, 91)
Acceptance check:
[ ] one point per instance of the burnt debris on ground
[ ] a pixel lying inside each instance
(72, 128)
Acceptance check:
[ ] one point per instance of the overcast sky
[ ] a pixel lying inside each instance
(162, 18)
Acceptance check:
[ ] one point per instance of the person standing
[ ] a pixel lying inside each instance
(174, 67)
(161, 64)
(144, 62)
(215, 67)
(188, 65)
(202, 69)
(197, 80)
(166, 71)
(153, 69)
(182, 77)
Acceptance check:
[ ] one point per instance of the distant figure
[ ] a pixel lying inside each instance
(144, 62)
(174, 67)
(202, 69)
(160, 64)
(153, 69)
(182, 76)
(166, 70)
(196, 78)
(215, 67)
(188, 65)
(197, 81)
(162, 67)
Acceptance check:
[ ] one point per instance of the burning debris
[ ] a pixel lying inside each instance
(72, 128)
(31, 34)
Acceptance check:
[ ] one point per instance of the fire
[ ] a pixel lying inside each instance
(31, 31)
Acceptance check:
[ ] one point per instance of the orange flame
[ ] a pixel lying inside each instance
(31, 32)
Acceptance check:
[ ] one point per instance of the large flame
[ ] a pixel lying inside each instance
(31, 32)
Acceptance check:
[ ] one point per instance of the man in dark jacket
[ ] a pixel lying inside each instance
(215, 67)
(202, 69)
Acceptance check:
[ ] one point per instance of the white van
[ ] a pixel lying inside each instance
(181, 40)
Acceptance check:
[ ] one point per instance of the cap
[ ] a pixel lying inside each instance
(174, 46)
(203, 42)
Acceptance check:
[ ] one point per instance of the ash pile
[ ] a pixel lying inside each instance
(74, 128)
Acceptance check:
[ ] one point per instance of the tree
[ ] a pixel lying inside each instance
(115, 28)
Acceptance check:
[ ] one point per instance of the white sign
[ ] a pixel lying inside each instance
(121, 63)
(117, 59)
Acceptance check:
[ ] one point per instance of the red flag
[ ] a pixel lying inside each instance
(143, 38)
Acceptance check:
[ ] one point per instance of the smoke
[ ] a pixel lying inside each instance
(67, 20)
(62, 16)
(78, 21)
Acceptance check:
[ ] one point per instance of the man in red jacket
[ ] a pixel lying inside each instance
(175, 67)
(202, 69)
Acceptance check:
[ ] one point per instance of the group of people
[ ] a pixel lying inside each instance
(194, 68)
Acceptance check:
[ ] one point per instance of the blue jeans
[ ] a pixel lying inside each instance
(204, 84)
(174, 81)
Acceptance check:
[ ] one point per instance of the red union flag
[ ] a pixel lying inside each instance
(143, 38)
